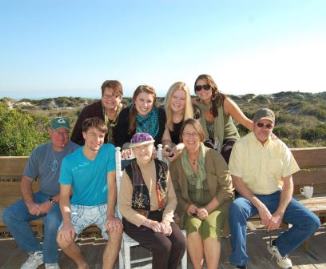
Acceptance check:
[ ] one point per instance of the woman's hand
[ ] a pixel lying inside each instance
(166, 228)
(153, 224)
(202, 213)
(171, 152)
(192, 210)
(126, 154)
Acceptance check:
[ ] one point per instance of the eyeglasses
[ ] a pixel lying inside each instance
(206, 87)
(190, 134)
(262, 125)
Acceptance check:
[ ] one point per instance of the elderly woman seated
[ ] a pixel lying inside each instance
(147, 202)
(204, 190)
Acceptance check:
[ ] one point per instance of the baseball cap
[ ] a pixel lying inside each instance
(264, 113)
(60, 122)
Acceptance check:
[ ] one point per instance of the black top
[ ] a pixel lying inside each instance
(175, 134)
(121, 133)
(92, 110)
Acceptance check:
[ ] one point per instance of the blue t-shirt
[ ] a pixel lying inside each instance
(44, 164)
(88, 178)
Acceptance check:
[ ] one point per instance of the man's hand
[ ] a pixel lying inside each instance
(264, 214)
(45, 207)
(33, 208)
(113, 224)
(275, 221)
(67, 233)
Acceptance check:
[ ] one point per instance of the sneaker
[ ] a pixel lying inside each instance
(283, 262)
(52, 266)
(34, 260)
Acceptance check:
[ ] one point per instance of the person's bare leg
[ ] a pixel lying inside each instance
(195, 250)
(212, 250)
(73, 252)
(111, 251)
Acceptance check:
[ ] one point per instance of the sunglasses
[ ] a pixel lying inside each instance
(267, 126)
(206, 87)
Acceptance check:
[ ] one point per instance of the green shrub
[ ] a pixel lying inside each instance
(20, 132)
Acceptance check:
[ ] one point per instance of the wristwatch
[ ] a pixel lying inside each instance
(52, 201)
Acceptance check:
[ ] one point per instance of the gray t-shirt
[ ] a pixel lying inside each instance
(44, 164)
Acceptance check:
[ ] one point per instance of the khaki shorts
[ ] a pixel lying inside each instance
(212, 226)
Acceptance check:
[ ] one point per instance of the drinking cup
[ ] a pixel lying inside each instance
(307, 191)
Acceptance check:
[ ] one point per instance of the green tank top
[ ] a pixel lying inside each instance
(223, 125)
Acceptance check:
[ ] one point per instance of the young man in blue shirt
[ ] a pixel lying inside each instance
(88, 194)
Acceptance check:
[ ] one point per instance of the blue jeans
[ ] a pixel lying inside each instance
(17, 219)
(304, 222)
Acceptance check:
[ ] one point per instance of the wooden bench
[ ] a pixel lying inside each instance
(11, 170)
(312, 162)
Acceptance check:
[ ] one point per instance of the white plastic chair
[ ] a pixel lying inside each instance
(127, 243)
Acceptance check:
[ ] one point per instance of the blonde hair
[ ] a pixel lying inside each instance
(188, 111)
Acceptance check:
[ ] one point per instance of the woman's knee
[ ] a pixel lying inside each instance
(163, 248)
(179, 243)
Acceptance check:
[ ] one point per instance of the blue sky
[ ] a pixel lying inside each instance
(69, 47)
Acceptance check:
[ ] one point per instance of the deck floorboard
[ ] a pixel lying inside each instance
(11, 257)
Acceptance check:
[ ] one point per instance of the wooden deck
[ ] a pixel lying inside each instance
(315, 257)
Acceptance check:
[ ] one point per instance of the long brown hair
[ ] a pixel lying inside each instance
(133, 111)
(217, 97)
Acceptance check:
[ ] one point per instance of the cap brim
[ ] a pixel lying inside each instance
(134, 145)
(266, 118)
(58, 127)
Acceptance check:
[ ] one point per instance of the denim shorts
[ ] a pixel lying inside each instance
(84, 216)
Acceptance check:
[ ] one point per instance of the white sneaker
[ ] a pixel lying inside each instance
(52, 266)
(283, 262)
(34, 260)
